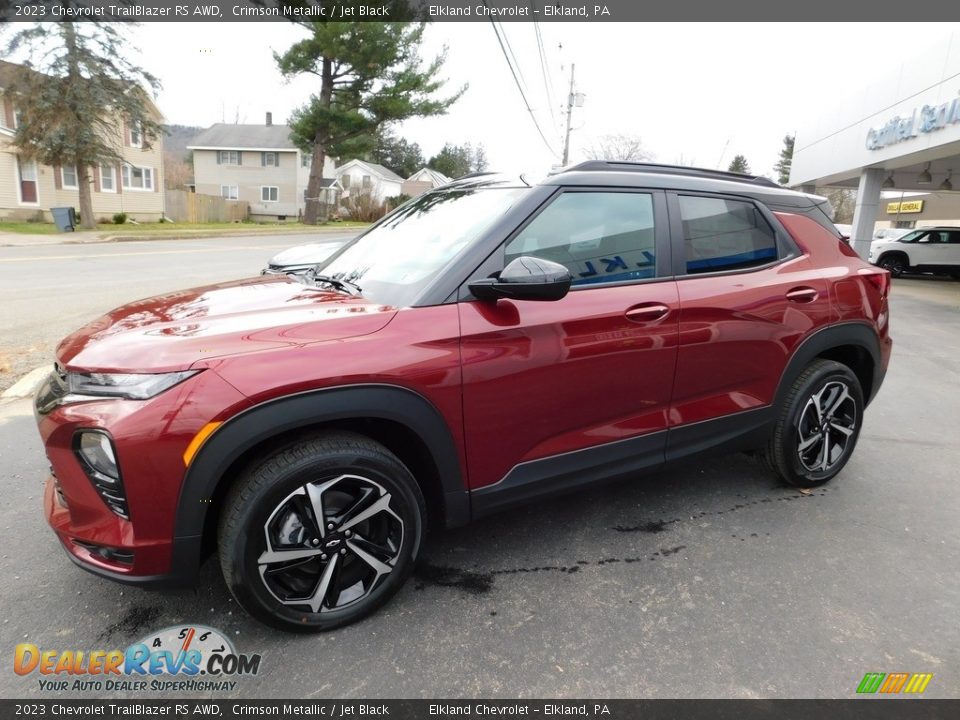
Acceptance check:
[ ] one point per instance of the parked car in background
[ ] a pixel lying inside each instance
(890, 233)
(492, 342)
(932, 250)
(300, 258)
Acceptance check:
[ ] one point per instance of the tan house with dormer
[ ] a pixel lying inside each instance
(28, 189)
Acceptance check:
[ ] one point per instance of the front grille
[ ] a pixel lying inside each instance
(61, 498)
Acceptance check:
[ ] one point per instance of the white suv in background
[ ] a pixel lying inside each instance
(931, 249)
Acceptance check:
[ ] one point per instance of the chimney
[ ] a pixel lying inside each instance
(269, 118)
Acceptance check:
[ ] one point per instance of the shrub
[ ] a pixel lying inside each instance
(119, 218)
(363, 206)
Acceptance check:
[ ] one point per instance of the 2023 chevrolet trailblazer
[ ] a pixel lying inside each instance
(486, 344)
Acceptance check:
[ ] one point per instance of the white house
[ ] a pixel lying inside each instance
(359, 176)
(423, 180)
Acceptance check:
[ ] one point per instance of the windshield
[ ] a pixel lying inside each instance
(397, 259)
(912, 236)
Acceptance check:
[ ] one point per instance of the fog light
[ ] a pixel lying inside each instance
(95, 451)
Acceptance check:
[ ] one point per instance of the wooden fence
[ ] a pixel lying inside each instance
(188, 207)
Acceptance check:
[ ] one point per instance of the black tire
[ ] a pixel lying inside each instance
(797, 425)
(275, 502)
(896, 263)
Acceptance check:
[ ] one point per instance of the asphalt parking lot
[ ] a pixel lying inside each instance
(706, 580)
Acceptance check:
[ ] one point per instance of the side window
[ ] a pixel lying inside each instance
(721, 234)
(599, 236)
(954, 238)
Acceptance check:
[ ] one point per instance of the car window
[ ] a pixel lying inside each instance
(395, 260)
(721, 234)
(599, 236)
(954, 238)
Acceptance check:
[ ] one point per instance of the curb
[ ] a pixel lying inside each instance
(28, 384)
(63, 239)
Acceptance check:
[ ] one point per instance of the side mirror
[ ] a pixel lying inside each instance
(526, 278)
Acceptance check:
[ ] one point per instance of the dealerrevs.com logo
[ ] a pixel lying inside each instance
(175, 659)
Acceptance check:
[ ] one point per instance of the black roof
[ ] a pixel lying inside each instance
(643, 167)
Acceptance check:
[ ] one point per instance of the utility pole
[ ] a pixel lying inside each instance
(570, 101)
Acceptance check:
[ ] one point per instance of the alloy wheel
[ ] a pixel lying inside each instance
(330, 542)
(827, 423)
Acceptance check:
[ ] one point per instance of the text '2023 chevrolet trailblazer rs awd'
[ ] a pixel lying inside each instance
(486, 344)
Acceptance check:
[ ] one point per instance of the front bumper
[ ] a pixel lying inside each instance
(184, 553)
(150, 437)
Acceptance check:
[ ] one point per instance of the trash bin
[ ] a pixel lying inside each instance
(65, 218)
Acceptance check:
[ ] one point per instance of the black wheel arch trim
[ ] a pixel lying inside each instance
(273, 418)
(855, 333)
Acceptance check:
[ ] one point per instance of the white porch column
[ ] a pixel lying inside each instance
(865, 214)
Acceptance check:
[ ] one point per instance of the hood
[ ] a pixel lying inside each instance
(310, 254)
(172, 332)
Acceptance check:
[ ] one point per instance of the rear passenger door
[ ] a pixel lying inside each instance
(747, 296)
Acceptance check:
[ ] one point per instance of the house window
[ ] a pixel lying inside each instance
(269, 159)
(108, 179)
(230, 192)
(269, 193)
(345, 182)
(28, 181)
(68, 175)
(136, 135)
(137, 178)
(366, 181)
(305, 159)
(229, 157)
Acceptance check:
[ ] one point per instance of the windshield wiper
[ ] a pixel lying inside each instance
(346, 286)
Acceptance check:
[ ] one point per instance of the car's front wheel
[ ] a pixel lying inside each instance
(321, 533)
(817, 426)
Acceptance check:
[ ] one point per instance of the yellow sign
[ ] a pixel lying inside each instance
(907, 206)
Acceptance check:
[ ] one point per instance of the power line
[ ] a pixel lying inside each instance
(544, 68)
(513, 72)
(513, 57)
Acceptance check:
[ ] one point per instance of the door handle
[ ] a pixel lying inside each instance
(646, 313)
(802, 294)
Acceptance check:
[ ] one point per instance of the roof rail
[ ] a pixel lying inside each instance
(624, 166)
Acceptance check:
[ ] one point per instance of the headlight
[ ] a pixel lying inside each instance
(124, 385)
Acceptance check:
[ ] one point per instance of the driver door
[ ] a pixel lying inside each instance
(559, 393)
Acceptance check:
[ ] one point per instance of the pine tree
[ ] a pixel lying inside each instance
(786, 160)
(74, 95)
(739, 165)
(454, 160)
(370, 73)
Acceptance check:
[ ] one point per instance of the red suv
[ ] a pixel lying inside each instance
(486, 344)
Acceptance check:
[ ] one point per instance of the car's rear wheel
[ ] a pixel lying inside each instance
(817, 426)
(321, 533)
(895, 263)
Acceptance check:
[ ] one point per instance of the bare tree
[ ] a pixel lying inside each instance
(178, 173)
(625, 148)
(842, 200)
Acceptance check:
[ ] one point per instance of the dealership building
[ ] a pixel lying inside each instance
(895, 138)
